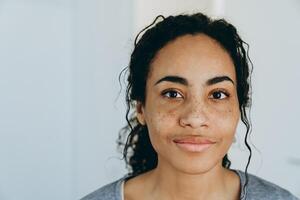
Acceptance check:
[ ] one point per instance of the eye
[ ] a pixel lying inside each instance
(219, 94)
(172, 94)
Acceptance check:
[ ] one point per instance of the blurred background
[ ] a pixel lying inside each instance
(59, 107)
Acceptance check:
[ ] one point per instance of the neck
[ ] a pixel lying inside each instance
(170, 183)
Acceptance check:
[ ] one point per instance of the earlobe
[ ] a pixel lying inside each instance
(140, 113)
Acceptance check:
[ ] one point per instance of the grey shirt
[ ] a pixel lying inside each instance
(257, 188)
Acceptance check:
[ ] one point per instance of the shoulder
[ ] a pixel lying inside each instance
(259, 188)
(111, 191)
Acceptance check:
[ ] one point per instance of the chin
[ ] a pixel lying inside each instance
(194, 168)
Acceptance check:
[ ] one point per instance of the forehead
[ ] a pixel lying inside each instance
(193, 57)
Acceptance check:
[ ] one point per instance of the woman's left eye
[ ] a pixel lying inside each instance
(219, 95)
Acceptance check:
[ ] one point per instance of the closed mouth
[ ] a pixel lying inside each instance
(193, 144)
(193, 140)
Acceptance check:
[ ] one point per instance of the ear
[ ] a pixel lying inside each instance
(140, 113)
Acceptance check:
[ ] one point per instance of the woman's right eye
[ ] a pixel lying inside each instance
(172, 94)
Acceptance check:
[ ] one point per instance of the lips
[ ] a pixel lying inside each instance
(193, 140)
(193, 144)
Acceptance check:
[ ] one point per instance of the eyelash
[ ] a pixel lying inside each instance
(169, 91)
(220, 91)
(164, 94)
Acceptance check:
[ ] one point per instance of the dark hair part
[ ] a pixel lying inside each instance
(138, 152)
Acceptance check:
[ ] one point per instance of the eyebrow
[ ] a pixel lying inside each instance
(173, 79)
(183, 81)
(218, 79)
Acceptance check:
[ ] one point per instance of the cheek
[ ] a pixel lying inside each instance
(223, 125)
(225, 121)
(160, 125)
(160, 122)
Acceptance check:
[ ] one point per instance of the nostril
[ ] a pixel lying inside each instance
(193, 120)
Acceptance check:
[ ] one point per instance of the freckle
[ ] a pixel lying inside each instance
(169, 114)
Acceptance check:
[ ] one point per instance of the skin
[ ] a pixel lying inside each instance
(189, 106)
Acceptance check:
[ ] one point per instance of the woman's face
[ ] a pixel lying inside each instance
(191, 97)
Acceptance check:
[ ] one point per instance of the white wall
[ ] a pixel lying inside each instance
(59, 66)
(146, 11)
(35, 102)
(102, 34)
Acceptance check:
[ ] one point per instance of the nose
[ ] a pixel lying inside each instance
(194, 116)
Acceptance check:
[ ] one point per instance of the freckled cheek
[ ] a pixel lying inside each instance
(225, 121)
(161, 125)
(222, 109)
(224, 126)
(160, 122)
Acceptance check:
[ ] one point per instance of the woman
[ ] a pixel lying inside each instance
(189, 83)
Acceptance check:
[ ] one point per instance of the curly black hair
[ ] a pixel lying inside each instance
(138, 152)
